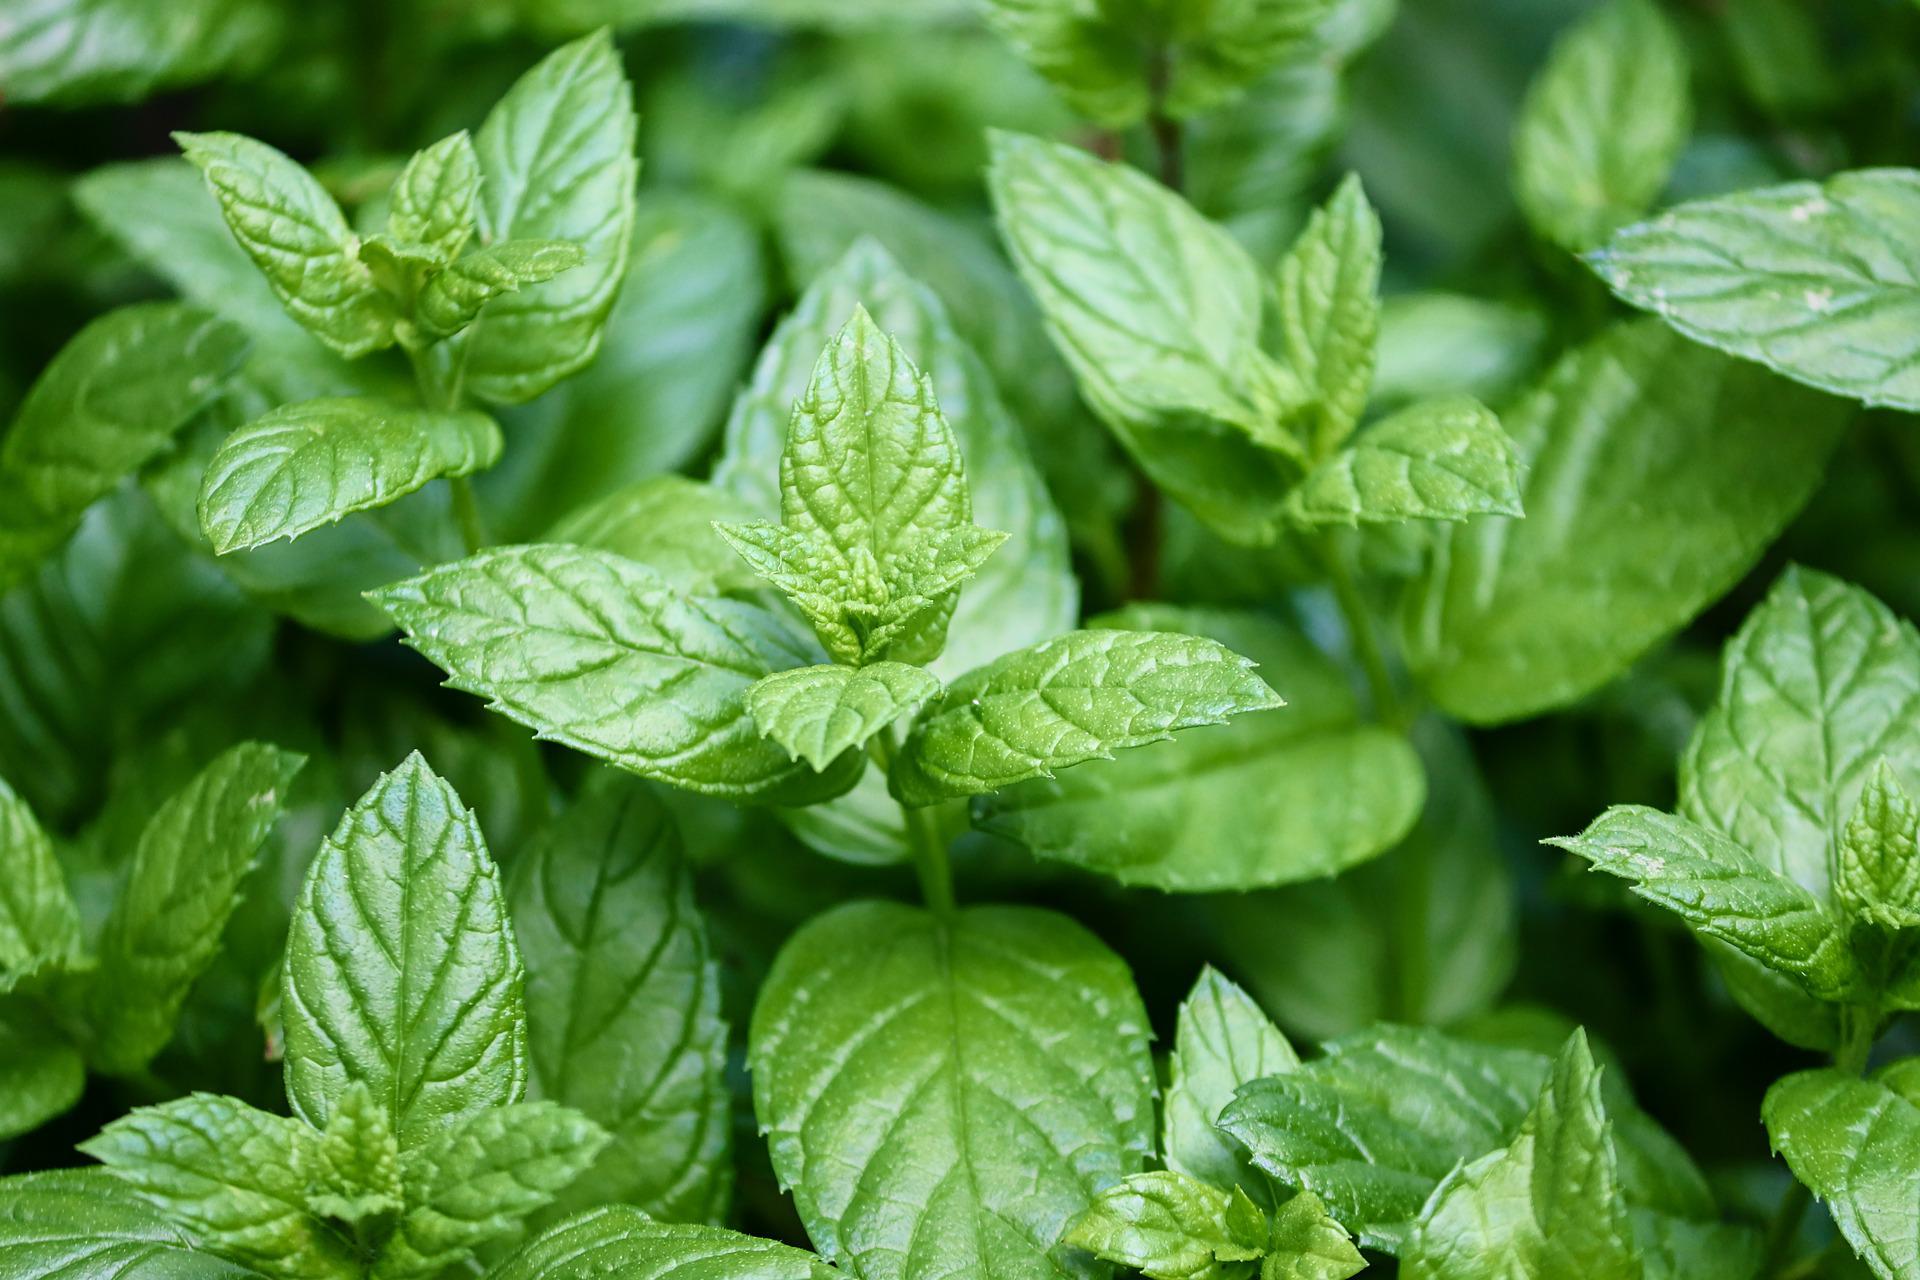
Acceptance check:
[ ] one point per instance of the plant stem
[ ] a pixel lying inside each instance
(1857, 1033)
(1169, 141)
(924, 838)
(436, 393)
(466, 511)
(1360, 630)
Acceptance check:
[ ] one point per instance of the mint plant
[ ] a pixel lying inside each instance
(995, 657)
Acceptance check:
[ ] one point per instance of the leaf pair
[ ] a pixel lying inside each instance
(1171, 1226)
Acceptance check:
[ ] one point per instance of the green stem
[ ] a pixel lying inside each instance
(1169, 140)
(466, 510)
(1360, 629)
(924, 837)
(439, 393)
(1858, 1028)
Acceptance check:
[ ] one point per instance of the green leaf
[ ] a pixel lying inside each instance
(1265, 800)
(1328, 313)
(232, 1175)
(908, 1073)
(41, 1073)
(1856, 1144)
(1602, 125)
(475, 1180)
(354, 1164)
(578, 644)
(433, 201)
(401, 973)
(1877, 877)
(616, 1240)
(39, 924)
(1221, 1041)
(666, 523)
(453, 296)
(83, 52)
(1169, 1226)
(1547, 1207)
(305, 465)
(556, 163)
(1435, 344)
(1081, 696)
(1157, 311)
(1307, 1244)
(817, 713)
(623, 1001)
(1439, 460)
(108, 403)
(1806, 278)
(1722, 891)
(87, 1225)
(1512, 619)
(181, 888)
(299, 239)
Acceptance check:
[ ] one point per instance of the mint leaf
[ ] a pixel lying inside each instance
(1435, 344)
(354, 1163)
(107, 404)
(1548, 1206)
(1079, 697)
(1806, 278)
(1328, 321)
(299, 239)
(1439, 460)
(1157, 311)
(1856, 1144)
(981, 1142)
(1169, 1226)
(575, 643)
(230, 1174)
(1877, 876)
(1307, 1244)
(623, 1001)
(305, 465)
(1602, 125)
(616, 1240)
(76, 1224)
(817, 713)
(181, 887)
(434, 201)
(1512, 619)
(666, 523)
(39, 923)
(41, 1072)
(1221, 1041)
(401, 974)
(556, 163)
(83, 52)
(1722, 891)
(1263, 800)
(453, 296)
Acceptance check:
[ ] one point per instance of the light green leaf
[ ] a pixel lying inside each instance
(1081, 696)
(556, 163)
(1722, 891)
(1512, 619)
(908, 1072)
(305, 465)
(299, 239)
(1221, 1041)
(1439, 460)
(623, 1001)
(41, 1073)
(433, 201)
(617, 1240)
(578, 644)
(181, 888)
(39, 924)
(88, 1225)
(1809, 279)
(1169, 1226)
(353, 1166)
(1328, 313)
(1877, 877)
(1157, 311)
(1265, 800)
(232, 1175)
(1307, 1244)
(453, 296)
(401, 973)
(85, 52)
(1434, 345)
(1547, 1207)
(1856, 1143)
(108, 403)
(1602, 124)
(817, 713)
(478, 1177)
(666, 523)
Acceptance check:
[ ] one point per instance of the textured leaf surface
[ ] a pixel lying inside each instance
(305, 465)
(1812, 280)
(434, 200)
(401, 970)
(39, 924)
(1877, 876)
(1439, 460)
(1602, 124)
(1711, 458)
(1327, 292)
(1221, 1041)
(80, 52)
(453, 297)
(556, 163)
(1307, 1244)
(666, 523)
(1169, 1226)
(353, 1166)
(41, 1073)
(181, 887)
(581, 644)
(87, 1225)
(616, 1240)
(914, 1080)
(818, 712)
(1856, 1143)
(1079, 697)
(623, 1002)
